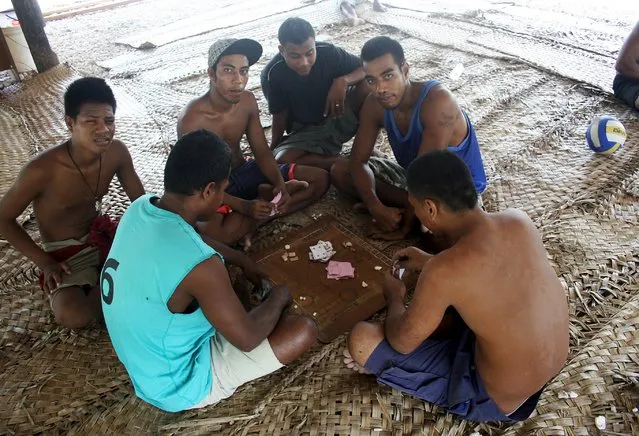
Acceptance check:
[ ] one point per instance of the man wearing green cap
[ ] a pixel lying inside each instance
(260, 188)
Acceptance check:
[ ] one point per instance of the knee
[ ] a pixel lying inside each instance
(286, 157)
(339, 174)
(308, 331)
(363, 339)
(74, 318)
(322, 181)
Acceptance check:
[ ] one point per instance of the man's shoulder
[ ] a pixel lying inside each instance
(192, 107)
(273, 68)
(327, 48)
(189, 118)
(373, 109)
(118, 147)
(438, 94)
(47, 161)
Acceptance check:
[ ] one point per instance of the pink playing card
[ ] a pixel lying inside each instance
(340, 270)
(275, 200)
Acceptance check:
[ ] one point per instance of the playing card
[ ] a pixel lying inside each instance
(321, 252)
(274, 201)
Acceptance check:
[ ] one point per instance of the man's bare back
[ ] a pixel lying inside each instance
(505, 290)
(511, 336)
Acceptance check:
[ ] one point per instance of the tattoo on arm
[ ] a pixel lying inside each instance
(448, 119)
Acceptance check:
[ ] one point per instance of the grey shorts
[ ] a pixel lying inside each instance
(326, 138)
(390, 172)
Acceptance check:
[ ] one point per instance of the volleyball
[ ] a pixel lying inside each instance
(605, 134)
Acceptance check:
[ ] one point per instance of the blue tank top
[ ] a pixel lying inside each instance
(167, 355)
(406, 147)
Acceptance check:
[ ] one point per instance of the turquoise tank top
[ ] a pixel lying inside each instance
(167, 355)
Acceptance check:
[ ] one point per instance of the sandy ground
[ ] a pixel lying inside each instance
(85, 40)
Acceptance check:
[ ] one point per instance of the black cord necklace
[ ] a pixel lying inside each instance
(98, 202)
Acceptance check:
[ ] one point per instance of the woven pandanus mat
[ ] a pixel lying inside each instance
(530, 126)
(477, 35)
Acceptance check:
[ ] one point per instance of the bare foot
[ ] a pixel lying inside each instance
(378, 7)
(246, 242)
(395, 235)
(378, 153)
(360, 208)
(350, 363)
(292, 186)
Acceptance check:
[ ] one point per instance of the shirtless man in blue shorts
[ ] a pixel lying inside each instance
(509, 331)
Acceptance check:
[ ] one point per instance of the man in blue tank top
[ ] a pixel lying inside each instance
(418, 117)
(176, 323)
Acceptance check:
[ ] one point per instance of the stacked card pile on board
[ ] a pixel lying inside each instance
(340, 270)
(321, 252)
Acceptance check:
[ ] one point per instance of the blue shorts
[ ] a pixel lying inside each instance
(245, 179)
(442, 372)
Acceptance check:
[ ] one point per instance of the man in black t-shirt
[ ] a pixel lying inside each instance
(314, 91)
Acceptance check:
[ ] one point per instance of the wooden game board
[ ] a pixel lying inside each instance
(336, 305)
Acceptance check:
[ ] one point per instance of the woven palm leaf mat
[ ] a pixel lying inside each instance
(530, 125)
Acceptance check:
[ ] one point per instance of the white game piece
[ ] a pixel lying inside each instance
(287, 247)
(364, 285)
(600, 422)
(457, 72)
(378, 268)
(635, 410)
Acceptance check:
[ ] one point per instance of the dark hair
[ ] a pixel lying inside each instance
(295, 31)
(444, 177)
(197, 159)
(381, 45)
(87, 90)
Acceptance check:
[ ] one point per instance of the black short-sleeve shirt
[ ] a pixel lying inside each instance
(305, 96)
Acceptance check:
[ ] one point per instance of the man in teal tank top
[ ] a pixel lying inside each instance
(176, 323)
(418, 117)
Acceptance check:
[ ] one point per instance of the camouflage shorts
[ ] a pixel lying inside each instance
(392, 173)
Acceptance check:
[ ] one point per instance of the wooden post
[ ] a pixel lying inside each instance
(32, 24)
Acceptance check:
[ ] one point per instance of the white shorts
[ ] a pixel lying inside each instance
(232, 368)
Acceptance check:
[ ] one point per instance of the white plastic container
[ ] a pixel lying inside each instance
(19, 49)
